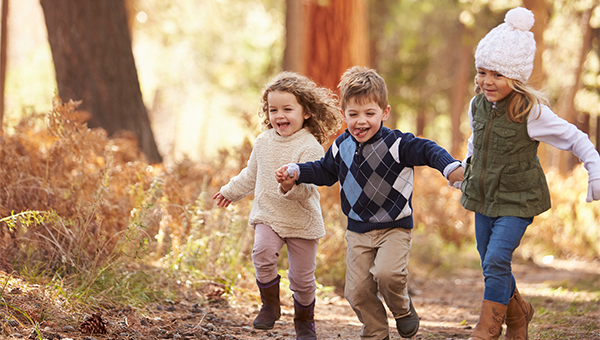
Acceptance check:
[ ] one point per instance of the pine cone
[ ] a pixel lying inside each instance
(93, 324)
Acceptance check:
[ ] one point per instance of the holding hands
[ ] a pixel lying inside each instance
(456, 177)
(283, 176)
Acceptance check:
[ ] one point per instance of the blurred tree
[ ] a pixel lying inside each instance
(325, 38)
(425, 53)
(294, 42)
(565, 106)
(460, 91)
(3, 49)
(93, 59)
(541, 13)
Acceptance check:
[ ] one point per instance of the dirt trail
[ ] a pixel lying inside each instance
(448, 308)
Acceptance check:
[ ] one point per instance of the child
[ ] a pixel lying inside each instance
(374, 166)
(504, 183)
(298, 116)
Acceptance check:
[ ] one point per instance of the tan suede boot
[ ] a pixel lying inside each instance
(490, 322)
(518, 314)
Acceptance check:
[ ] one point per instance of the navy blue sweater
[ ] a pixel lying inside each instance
(376, 177)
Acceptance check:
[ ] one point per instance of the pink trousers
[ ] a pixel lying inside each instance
(302, 261)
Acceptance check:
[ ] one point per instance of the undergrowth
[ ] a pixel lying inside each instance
(88, 217)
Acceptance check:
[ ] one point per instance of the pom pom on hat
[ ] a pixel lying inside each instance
(520, 18)
(509, 49)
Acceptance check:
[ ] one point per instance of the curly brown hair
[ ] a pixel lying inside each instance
(321, 103)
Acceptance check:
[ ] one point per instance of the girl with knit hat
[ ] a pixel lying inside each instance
(504, 183)
(298, 117)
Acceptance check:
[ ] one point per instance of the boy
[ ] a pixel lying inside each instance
(374, 166)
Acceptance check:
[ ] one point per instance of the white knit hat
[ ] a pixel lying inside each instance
(509, 48)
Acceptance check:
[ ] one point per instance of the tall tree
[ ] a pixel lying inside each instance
(335, 39)
(566, 102)
(93, 59)
(460, 90)
(324, 38)
(3, 56)
(541, 14)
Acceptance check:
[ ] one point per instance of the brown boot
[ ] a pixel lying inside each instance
(518, 314)
(271, 309)
(490, 322)
(304, 321)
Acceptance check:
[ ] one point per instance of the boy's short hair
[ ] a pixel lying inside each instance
(362, 84)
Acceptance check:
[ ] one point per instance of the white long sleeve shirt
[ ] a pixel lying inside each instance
(549, 128)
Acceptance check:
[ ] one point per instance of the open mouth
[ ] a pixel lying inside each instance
(283, 125)
(361, 132)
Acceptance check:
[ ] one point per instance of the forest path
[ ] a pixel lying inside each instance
(449, 307)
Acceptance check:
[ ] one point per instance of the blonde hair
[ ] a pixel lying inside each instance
(521, 101)
(321, 103)
(362, 84)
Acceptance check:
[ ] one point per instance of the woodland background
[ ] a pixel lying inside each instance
(110, 199)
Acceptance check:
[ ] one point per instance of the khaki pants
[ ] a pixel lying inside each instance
(376, 263)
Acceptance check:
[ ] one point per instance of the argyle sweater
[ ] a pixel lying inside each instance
(376, 177)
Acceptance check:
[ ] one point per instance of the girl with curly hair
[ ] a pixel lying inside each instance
(298, 117)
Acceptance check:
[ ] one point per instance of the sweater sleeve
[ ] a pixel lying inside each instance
(420, 151)
(321, 172)
(244, 183)
(549, 128)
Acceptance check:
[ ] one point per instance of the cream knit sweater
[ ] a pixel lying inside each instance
(297, 214)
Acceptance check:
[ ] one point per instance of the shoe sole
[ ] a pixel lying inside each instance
(263, 327)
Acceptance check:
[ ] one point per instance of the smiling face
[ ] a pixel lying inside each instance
(364, 118)
(493, 85)
(285, 113)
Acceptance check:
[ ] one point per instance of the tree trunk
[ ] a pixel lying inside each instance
(336, 38)
(294, 42)
(93, 59)
(541, 14)
(566, 102)
(3, 56)
(458, 100)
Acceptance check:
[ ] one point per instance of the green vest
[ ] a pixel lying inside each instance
(503, 177)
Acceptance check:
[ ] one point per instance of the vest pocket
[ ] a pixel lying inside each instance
(520, 188)
(504, 138)
(478, 134)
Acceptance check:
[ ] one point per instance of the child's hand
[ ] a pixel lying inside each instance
(284, 179)
(281, 174)
(221, 200)
(456, 177)
(593, 190)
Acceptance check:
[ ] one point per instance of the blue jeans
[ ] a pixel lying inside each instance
(497, 238)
